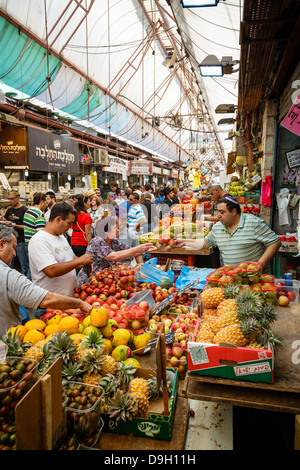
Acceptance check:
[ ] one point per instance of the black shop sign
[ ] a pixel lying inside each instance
(51, 152)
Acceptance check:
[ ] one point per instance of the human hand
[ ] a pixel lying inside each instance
(8, 223)
(85, 259)
(85, 307)
(180, 242)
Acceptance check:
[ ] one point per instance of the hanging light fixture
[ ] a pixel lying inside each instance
(211, 66)
(26, 173)
(49, 176)
(199, 3)
(69, 177)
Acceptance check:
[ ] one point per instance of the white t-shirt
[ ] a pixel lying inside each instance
(45, 250)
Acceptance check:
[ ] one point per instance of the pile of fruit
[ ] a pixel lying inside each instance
(239, 313)
(254, 210)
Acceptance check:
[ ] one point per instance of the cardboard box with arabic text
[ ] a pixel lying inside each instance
(228, 361)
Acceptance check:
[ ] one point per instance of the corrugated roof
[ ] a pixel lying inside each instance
(104, 68)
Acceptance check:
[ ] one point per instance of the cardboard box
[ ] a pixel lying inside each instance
(252, 365)
(156, 425)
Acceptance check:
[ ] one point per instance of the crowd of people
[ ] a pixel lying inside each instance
(60, 244)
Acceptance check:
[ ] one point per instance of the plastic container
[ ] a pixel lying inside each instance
(217, 279)
(252, 275)
(83, 422)
(285, 290)
(93, 440)
(16, 388)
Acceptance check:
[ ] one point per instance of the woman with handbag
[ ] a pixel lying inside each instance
(81, 235)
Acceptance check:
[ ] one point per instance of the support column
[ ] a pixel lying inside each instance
(268, 147)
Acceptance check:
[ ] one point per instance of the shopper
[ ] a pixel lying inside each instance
(98, 194)
(52, 261)
(72, 200)
(176, 199)
(95, 210)
(136, 217)
(13, 217)
(239, 237)
(108, 249)
(181, 193)
(149, 211)
(217, 193)
(34, 219)
(81, 235)
(114, 189)
(167, 203)
(51, 201)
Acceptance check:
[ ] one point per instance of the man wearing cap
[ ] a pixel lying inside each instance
(217, 193)
(13, 217)
(239, 237)
(98, 194)
(51, 201)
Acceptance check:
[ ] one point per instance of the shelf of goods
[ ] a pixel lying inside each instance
(179, 223)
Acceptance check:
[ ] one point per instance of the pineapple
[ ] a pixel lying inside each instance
(91, 379)
(14, 344)
(93, 340)
(224, 320)
(212, 297)
(226, 306)
(139, 389)
(231, 291)
(91, 363)
(122, 406)
(125, 373)
(205, 334)
(61, 345)
(231, 334)
(109, 365)
(109, 384)
(71, 372)
(139, 385)
(35, 353)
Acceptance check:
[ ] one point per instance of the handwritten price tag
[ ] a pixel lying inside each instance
(163, 304)
(188, 286)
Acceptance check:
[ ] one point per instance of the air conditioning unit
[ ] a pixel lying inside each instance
(101, 157)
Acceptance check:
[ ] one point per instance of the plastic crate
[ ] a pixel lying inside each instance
(189, 260)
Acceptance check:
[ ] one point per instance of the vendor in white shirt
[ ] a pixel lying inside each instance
(52, 261)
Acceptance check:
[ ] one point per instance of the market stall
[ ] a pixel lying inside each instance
(121, 376)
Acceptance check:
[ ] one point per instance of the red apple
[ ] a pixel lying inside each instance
(291, 296)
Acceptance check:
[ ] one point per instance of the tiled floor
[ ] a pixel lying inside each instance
(211, 427)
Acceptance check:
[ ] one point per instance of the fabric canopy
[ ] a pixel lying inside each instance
(107, 66)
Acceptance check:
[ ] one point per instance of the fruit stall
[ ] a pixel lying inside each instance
(120, 378)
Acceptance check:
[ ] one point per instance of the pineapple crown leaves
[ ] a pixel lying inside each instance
(122, 406)
(71, 371)
(92, 360)
(126, 372)
(109, 384)
(15, 347)
(61, 345)
(93, 340)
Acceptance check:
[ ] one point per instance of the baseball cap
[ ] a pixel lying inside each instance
(13, 193)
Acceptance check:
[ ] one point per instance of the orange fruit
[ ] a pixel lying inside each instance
(33, 336)
(51, 329)
(35, 324)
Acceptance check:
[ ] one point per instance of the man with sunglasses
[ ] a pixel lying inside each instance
(13, 217)
(239, 237)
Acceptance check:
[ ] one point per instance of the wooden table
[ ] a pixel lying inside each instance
(282, 396)
(176, 252)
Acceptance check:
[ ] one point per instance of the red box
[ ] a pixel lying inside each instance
(252, 365)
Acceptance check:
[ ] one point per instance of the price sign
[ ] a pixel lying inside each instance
(293, 158)
(188, 286)
(163, 304)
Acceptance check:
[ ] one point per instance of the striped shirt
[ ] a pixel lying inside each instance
(246, 243)
(33, 221)
(135, 214)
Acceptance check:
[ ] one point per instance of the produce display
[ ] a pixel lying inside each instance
(178, 224)
(240, 312)
(101, 353)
